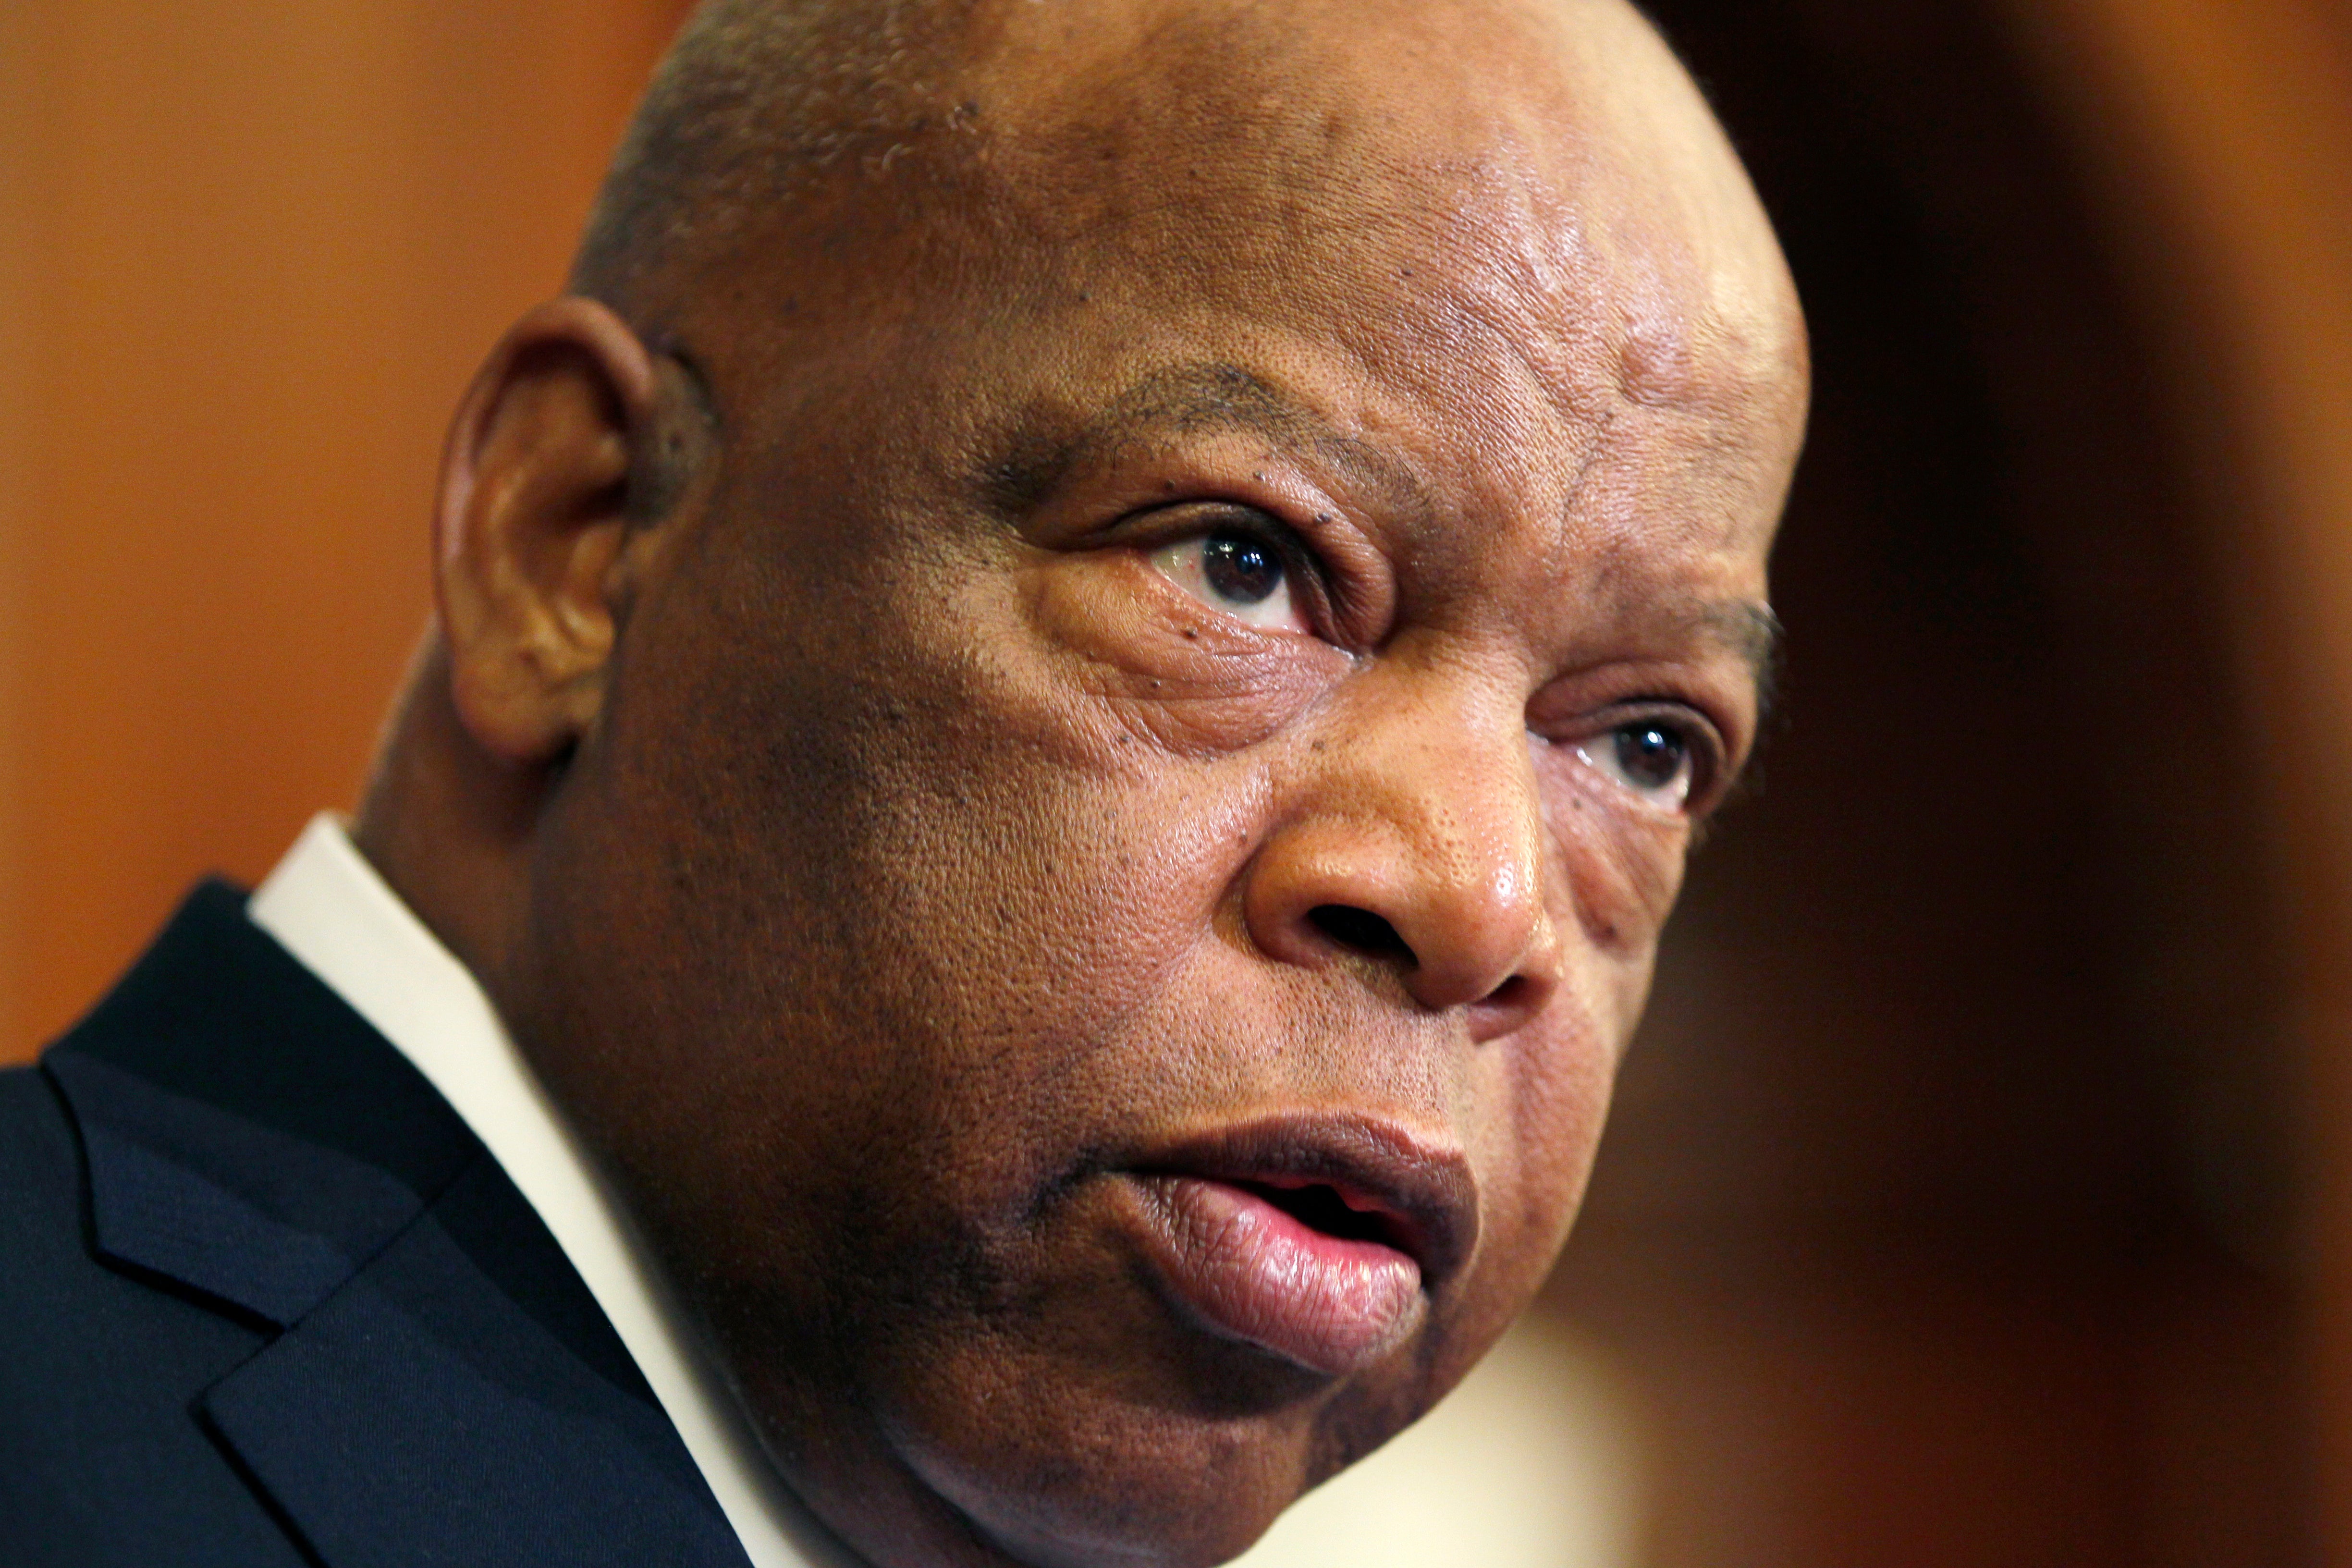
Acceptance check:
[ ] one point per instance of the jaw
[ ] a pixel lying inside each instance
(1082, 1417)
(1190, 1481)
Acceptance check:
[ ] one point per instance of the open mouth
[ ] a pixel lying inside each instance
(1318, 1241)
(1325, 1208)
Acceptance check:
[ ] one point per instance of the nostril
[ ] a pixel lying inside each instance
(1509, 993)
(1359, 931)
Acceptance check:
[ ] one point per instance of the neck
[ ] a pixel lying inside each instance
(450, 827)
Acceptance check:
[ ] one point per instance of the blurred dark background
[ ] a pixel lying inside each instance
(1954, 1195)
(1976, 1194)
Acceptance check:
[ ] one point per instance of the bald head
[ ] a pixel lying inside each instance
(1086, 859)
(826, 128)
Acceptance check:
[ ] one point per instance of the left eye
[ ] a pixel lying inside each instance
(1650, 757)
(1237, 572)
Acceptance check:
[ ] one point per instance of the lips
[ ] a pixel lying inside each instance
(1318, 1240)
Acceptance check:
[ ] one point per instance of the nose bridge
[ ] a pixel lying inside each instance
(1423, 810)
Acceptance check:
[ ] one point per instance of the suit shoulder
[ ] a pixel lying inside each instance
(40, 1163)
(101, 1460)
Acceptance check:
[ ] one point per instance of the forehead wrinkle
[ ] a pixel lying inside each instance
(1707, 464)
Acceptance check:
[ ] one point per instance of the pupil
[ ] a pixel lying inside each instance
(1651, 755)
(1239, 568)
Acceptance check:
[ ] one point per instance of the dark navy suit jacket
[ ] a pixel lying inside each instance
(264, 1299)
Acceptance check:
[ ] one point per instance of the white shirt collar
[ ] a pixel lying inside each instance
(331, 910)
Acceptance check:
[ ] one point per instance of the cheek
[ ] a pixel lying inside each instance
(1552, 1085)
(1619, 864)
(1043, 879)
(1562, 1080)
(1049, 874)
(1168, 669)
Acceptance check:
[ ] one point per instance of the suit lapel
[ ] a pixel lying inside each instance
(384, 1431)
(257, 1219)
(444, 1388)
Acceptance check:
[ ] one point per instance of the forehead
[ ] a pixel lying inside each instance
(1515, 224)
(1550, 152)
(1499, 253)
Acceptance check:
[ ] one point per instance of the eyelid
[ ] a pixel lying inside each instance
(1712, 762)
(1308, 574)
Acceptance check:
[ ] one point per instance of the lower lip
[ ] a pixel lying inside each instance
(1252, 1273)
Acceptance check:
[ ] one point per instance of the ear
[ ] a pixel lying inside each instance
(533, 525)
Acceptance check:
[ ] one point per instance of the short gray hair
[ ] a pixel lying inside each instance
(760, 102)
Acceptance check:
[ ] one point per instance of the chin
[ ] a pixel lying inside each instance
(1119, 1425)
(1137, 1489)
(1143, 1356)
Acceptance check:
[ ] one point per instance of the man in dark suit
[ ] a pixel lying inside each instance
(1068, 696)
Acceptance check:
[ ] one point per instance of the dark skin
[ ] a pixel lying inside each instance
(840, 760)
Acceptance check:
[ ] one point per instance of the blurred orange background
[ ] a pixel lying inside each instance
(1981, 1190)
(250, 253)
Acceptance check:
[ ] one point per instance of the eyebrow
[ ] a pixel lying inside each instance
(1750, 630)
(1187, 400)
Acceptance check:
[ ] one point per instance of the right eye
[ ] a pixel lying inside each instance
(1653, 759)
(1240, 573)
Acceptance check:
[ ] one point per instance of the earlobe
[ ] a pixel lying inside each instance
(533, 526)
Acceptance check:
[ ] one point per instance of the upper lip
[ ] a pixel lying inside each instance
(1425, 1194)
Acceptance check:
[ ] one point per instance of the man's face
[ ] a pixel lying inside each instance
(1131, 822)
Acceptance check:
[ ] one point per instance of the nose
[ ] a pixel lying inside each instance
(1419, 847)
